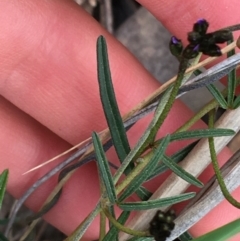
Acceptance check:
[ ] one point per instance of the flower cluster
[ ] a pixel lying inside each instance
(201, 41)
(162, 224)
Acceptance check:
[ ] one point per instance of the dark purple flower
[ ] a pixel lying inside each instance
(191, 51)
(175, 46)
(201, 26)
(175, 40)
(201, 41)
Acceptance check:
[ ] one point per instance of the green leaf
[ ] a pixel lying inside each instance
(142, 177)
(3, 238)
(223, 233)
(218, 96)
(78, 233)
(236, 103)
(104, 169)
(232, 80)
(109, 102)
(3, 184)
(145, 205)
(181, 172)
(177, 157)
(204, 133)
(112, 234)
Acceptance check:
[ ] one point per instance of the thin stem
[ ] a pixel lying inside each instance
(132, 175)
(123, 228)
(232, 28)
(216, 168)
(102, 226)
(172, 97)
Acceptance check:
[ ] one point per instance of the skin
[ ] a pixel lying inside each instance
(49, 87)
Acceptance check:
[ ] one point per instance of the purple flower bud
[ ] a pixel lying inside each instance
(222, 36)
(212, 50)
(191, 51)
(201, 26)
(194, 37)
(201, 21)
(196, 48)
(175, 40)
(175, 46)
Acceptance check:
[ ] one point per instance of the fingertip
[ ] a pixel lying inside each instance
(178, 16)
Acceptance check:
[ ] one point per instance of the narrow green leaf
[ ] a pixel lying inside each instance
(145, 205)
(3, 184)
(223, 233)
(113, 232)
(218, 96)
(109, 102)
(104, 169)
(142, 177)
(204, 133)
(3, 238)
(232, 80)
(236, 103)
(78, 233)
(177, 157)
(181, 172)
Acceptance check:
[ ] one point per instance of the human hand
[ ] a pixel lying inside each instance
(50, 97)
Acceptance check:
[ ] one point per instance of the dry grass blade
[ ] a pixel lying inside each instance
(85, 142)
